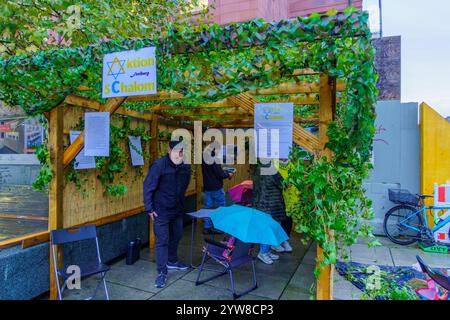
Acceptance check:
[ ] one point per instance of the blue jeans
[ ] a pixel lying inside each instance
(264, 248)
(212, 199)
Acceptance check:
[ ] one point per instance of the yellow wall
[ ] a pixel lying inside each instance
(435, 149)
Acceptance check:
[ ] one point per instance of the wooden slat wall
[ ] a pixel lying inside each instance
(81, 208)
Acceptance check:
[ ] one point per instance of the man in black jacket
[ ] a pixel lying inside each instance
(164, 189)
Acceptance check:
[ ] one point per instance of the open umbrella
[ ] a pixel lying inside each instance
(249, 225)
(242, 192)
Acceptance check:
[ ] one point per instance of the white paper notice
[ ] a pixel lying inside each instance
(81, 161)
(136, 151)
(273, 129)
(96, 134)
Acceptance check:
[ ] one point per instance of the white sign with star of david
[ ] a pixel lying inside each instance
(129, 73)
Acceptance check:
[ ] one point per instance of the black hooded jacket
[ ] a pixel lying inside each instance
(165, 186)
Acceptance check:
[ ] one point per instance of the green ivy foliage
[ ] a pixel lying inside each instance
(204, 62)
(110, 170)
(45, 174)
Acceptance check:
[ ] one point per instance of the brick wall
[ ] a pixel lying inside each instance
(227, 11)
(306, 7)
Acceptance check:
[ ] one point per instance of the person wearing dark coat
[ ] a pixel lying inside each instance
(268, 197)
(164, 189)
(213, 176)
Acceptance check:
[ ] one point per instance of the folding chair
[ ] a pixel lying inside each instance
(238, 254)
(71, 235)
(435, 275)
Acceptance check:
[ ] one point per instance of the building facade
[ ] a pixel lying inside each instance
(227, 11)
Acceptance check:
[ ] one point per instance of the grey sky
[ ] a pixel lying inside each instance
(425, 30)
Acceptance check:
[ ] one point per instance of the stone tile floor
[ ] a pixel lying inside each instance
(388, 254)
(290, 278)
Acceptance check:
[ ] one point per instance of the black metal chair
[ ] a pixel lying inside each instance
(239, 254)
(437, 276)
(71, 235)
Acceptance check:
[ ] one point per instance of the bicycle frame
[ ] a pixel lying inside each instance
(423, 211)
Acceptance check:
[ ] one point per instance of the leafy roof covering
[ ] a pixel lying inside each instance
(205, 63)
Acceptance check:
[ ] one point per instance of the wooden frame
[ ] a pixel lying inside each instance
(235, 111)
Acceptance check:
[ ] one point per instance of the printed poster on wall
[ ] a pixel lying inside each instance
(129, 73)
(273, 129)
(96, 134)
(136, 151)
(81, 161)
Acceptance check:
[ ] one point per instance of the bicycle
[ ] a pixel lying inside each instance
(407, 222)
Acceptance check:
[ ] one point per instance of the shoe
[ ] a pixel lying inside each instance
(278, 249)
(287, 247)
(264, 257)
(161, 280)
(273, 256)
(177, 266)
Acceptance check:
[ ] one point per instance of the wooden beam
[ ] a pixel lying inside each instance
(15, 241)
(162, 95)
(83, 88)
(55, 214)
(231, 125)
(22, 217)
(225, 103)
(190, 115)
(72, 151)
(84, 102)
(325, 280)
(176, 123)
(296, 87)
(38, 238)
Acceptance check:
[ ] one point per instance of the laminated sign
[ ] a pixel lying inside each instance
(129, 73)
(273, 129)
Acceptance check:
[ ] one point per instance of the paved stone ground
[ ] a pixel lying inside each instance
(388, 254)
(289, 278)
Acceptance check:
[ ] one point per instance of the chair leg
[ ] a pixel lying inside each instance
(255, 282)
(200, 269)
(58, 287)
(237, 295)
(98, 286)
(106, 289)
(233, 289)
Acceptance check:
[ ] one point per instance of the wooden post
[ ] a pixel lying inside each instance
(55, 214)
(154, 154)
(325, 280)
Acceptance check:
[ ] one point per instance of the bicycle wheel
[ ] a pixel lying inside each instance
(399, 234)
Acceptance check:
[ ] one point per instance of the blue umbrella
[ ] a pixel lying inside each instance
(249, 225)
